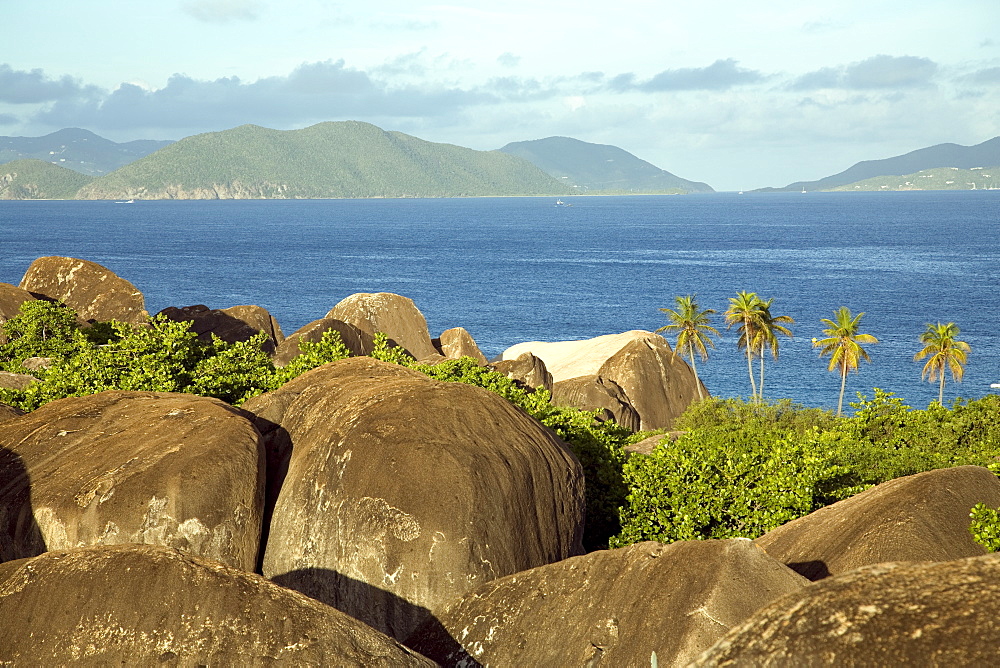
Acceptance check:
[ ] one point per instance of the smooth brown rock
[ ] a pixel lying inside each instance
(233, 324)
(402, 493)
(9, 412)
(610, 608)
(595, 393)
(16, 381)
(394, 315)
(922, 517)
(897, 614)
(96, 293)
(140, 605)
(527, 369)
(658, 384)
(356, 341)
(132, 467)
(457, 342)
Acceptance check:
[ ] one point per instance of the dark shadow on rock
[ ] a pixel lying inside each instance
(811, 570)
(373, 606)
(277, 455)
(20, 535)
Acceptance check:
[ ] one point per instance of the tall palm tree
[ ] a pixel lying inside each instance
(843, 344)
(767, 336)
(693, 331)
(745, 310)
(944, 351)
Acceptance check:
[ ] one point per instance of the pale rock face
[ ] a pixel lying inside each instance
(394, 315)
(96, 293)
(658, 385)
(402, 493)
(142, 605)
(457, 342)
(132, 467)
(610, 607)
(921, 517)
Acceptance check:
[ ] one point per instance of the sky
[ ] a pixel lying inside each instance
(736, 94)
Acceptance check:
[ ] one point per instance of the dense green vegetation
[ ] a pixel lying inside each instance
(36, 179)
(599, 169)
(741, 469)
(737, 468)
(941, 178)
(328, 160)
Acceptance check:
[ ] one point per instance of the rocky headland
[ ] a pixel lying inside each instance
(365, 514)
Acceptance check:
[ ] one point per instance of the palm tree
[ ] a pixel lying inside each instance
(692, 330)
(745, 310)
(768, 329)
(843, 344)
(945, 352)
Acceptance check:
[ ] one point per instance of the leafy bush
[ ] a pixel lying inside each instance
(164, 356)
(724, 482)
(985, 526)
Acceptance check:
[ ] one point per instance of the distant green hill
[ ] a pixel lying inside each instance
(932, 157)
(37, 179)
(328, 160)
(76, 149)
(942, 178)
(599, 168)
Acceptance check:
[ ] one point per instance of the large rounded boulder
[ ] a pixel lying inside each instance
(96, 293)
(138, 605)
(610, 608)
(233, 324)
(457, 342)
(394, 315)
(132, 467)
(403, 493)
(897, 614)
(922, 517)
(356, 341)
(658, 384)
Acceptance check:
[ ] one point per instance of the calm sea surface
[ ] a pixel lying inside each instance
(522, 269)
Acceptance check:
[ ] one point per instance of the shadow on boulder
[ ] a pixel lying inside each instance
(317, 583)
(20, 536)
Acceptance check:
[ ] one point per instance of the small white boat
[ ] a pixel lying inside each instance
(559, 202)
(995, 386)
(128, 201)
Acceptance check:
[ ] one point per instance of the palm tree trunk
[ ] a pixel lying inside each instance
(843, 384)
(941, 390)
(749, 344)
(760, 387)
(697, 381)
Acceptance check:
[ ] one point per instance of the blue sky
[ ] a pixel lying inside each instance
(737, 94)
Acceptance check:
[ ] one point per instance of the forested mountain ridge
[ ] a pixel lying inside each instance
(37, 179)
(984, 154)
(344, 159)
(79, 150)
(600, 168)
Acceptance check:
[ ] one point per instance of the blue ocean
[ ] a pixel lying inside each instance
(522, 269)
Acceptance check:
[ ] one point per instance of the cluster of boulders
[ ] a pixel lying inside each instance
(364, 514)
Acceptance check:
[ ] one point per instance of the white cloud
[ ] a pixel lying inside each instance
(222, 11)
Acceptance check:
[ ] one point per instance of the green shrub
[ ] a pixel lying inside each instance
(724, 482)
(40, 329)
(985, 526)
